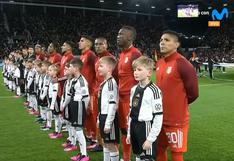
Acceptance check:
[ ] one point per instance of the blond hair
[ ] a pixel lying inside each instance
(143, 61)
(54, 68)
(110, 60)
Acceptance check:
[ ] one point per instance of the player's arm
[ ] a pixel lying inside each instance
(85, 95)
(112, 107)
(189, 78)
(45, 87)
(30, 80)
(157, 110)
(129, 118)
(54, 95)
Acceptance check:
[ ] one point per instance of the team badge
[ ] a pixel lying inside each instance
(135, 102)
(169, 70)
(126, 60)
(111, 96)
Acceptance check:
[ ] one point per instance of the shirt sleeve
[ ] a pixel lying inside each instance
(54, 95)
(189, 78)
(112, 107)
(157, 109)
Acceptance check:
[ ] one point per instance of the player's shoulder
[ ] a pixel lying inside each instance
(111, 83)
(134, 88)
(154, 90)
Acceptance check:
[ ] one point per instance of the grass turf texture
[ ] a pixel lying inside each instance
(210, 133)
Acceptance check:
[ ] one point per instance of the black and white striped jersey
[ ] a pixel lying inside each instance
(146, 106)
(108, 99)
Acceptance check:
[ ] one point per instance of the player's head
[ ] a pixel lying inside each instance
(53, 70)
(75, 65)
(38, 48)
(44, 66)
(30, 50)
(143, 68)
(29, 64)
(100, 45)
(169, 42)
(53, 47)
(37, 65)
(106, 65)
(126, 36)
(67, 70)
(67, 45)
(86, 42)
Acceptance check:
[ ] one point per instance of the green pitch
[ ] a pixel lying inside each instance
(210, 134)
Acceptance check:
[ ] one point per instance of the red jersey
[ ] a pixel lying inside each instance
(40, 56)
(67, 57)
(126, 78)
(177, 80)
(55, 58)
(99, 79)
(88, 69)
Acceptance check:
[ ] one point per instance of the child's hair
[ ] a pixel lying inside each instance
(30, 61)
(67, 65)
(38, 63)
(45, 63)
(54, 68)
(76, 62)
(143, 61)
(110, 60)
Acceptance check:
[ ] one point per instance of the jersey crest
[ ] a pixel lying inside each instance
(169, 70)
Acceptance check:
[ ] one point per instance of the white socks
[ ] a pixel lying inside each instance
(58, 123)
(43, 112)
(114, 156)
(82, 142)
(106, 154)
(48, 118)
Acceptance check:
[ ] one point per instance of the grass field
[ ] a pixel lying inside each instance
(211, 132)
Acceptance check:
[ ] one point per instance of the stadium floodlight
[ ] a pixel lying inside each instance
(152, 6)
(225, 4)
(11, 1)
(101, 1)
(168, 9)
(209, 8)
(120, 3)
(137, 5)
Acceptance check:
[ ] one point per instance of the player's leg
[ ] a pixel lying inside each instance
(177, 139)
(114, 151)
(161, 147)
(123, 114)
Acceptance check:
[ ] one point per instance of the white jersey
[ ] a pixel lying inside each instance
(53, 93)
(31, 78)
(108, 99)
(45, 87)
(146, 106)
(78, 92)
(66, 89)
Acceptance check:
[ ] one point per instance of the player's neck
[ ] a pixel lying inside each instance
(84, 50)
(170, 53)
(144, 82)
(77, 75)
(127, 46)
(108, 76)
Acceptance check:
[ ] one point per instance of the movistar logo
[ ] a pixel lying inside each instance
(219, 16)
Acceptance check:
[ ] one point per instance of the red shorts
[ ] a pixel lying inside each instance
(123, 112)
(174, 137)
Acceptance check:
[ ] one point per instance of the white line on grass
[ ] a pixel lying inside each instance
(214, 84)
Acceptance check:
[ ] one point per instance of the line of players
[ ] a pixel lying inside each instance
(73, 90)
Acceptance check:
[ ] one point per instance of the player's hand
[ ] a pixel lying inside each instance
(147, 145)
(106, 130)
(128, 140)
(97, 124)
